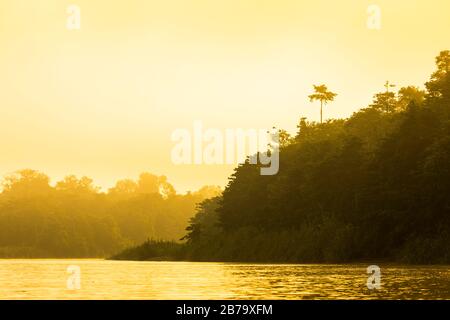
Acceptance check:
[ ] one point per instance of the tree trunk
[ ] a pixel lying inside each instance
(321, 105)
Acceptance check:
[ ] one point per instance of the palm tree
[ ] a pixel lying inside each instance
(323, 95)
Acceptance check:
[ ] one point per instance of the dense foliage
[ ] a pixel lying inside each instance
(74, 219)
(375, 186)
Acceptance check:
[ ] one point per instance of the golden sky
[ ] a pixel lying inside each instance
(102, 101)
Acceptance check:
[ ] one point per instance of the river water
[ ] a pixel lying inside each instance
(101, 279)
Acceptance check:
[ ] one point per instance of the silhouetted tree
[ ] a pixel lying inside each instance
(322, 94)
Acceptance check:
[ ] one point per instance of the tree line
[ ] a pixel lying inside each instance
(74, 218)
(374, 186)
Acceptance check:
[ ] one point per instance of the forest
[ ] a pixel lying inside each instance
(373, 187)
(74, 219)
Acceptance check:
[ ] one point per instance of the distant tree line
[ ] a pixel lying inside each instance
(375, 186)
(74, 219)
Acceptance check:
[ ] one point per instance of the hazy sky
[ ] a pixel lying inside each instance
(103, 101)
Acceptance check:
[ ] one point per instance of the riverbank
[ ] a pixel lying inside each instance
(172, 251)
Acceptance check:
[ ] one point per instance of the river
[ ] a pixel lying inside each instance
(101, 279)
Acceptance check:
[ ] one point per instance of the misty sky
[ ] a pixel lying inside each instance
(103, 101)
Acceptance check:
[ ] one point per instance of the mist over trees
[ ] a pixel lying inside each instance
(373, 187)
(74, 219)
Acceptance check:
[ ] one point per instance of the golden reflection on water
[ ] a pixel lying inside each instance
(100, 279)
